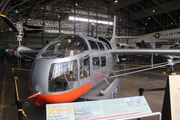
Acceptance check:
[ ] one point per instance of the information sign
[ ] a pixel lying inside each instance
(101, 109)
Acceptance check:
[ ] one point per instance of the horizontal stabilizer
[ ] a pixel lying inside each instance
(126, 37)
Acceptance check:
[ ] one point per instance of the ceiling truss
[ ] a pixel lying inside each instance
(148, 15)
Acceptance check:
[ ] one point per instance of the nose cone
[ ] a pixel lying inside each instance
(39, 75)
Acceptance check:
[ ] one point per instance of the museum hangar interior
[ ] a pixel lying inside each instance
(44, 20)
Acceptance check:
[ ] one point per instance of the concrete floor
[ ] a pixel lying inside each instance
(130, 86)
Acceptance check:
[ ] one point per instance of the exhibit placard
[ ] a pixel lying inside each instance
(174, 88)
(102, 109)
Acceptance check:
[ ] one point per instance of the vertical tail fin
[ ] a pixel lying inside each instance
(113, 40)
(114, 36)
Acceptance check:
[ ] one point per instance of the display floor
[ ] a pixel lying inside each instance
(130, 86)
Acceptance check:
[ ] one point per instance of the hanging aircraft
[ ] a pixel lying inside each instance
(32, 29)
(77, 66)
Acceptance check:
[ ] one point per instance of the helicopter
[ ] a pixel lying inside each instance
(72, 66)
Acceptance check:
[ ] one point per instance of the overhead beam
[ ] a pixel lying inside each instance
(149, 14)
(32, 6)
(121, 3)
(159, 10)
(136, 17)
(166, 12)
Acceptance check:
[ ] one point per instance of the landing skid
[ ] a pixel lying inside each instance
(102, 91)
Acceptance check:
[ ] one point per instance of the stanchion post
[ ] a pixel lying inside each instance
(13, 82)
(141, 90)
(12, 72)
(19, 107)
(18, 101)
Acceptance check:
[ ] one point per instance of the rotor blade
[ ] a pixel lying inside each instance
(11, 25)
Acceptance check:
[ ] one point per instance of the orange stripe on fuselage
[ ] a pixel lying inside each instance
(62, 97)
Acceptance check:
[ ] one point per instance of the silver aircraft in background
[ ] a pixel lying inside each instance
(77, 66)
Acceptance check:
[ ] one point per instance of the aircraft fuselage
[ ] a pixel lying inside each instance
(68, 67)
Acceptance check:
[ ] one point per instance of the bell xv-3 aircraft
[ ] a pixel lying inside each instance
(77, 66)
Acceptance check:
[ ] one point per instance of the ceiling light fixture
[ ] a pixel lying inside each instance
(76, 4)
(153, 11)
(115, 1)
(69, 40)
(16, 11)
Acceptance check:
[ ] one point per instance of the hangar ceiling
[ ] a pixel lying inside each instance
(154, 15)
(144, 15)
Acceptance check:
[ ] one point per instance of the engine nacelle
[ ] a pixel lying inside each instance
(18, 51)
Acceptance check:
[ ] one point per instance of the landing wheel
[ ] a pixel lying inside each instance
(169, 70)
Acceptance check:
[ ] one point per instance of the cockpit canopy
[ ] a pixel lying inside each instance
(56, 48)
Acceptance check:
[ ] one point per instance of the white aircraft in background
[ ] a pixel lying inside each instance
(161, 36)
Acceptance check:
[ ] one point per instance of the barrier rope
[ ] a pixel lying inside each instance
(16, 87)
(21, 110)
(20, 69)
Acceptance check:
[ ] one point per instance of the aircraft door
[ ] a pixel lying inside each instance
(98, 68)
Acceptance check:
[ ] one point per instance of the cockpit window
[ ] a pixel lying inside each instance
(76, 43)
(100, 46)
(107, 46)
(93, 45)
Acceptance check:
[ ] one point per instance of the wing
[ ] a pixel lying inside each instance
(168, 52)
